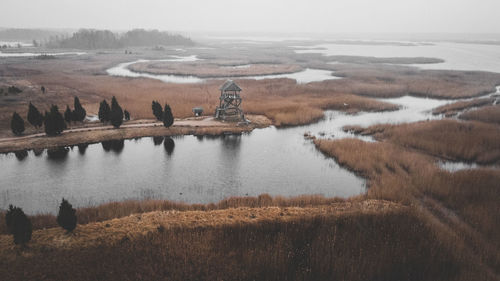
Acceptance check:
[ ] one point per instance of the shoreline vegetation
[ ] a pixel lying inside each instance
(265, 243)
(467, 141)
(91, 135)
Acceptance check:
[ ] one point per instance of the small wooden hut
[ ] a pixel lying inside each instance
(229, 103)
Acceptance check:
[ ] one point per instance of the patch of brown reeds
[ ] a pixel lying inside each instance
(454, 108)
(391, 245)
(382, 81)
(114, 210)
(488, 114)
(463, 202)
(449, 139)
(211, 70)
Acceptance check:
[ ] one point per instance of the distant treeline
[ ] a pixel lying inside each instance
(105, 39)
(23, 34)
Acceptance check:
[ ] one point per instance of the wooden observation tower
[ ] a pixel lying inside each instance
(229, 103)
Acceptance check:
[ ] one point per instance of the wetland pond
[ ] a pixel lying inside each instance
(195, 169)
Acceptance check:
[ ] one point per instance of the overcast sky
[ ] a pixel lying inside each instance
(322, 16)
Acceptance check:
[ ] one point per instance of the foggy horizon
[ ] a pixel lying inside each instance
(284, 17)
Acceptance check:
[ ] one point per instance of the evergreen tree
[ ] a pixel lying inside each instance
(17, 124)
(19, 225)
(34, 116)
(79, 113)
(104, 111)
(66, 218)
(54, 122)
(127, 115)
(116, 114)
(157, 110)
(68, 115)
(168, 118)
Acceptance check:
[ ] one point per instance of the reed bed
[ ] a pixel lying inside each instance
(395, 245)
(488, 114)
(121, 209)
(454, 108)
(449, 139)
(465, 201)
(213, 69)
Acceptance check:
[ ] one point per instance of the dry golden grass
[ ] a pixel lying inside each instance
(488, 114)
(462, 203)
(115, 210)
(248, 244)
(281, 100)
(112, 230)
(450, 139)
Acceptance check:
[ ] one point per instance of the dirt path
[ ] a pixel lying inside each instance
(202, 122)
(140, 128)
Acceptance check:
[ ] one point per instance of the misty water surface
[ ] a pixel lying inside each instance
(457, 56)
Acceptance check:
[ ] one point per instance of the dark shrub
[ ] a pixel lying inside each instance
(34, 116)
(66, 218)
(17, 124)
(68, 115)
(127, 115)
(168, 118)
(79, 113)
(157, 110)
(54, 122)
(18, 225)
(104, 111)
(14, 90)
(116, 115)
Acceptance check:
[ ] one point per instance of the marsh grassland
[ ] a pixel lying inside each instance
(415, 221)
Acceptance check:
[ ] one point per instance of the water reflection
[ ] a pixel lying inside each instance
(58, 153)
(106, 145)
(117, 146)
(82, 147)
(158, 140)
(231, 141)
(21, 154)
(38, 152)
(169, 145)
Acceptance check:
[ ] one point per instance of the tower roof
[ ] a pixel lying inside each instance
(230, 85)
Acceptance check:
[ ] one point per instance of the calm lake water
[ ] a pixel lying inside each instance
(194, 170)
